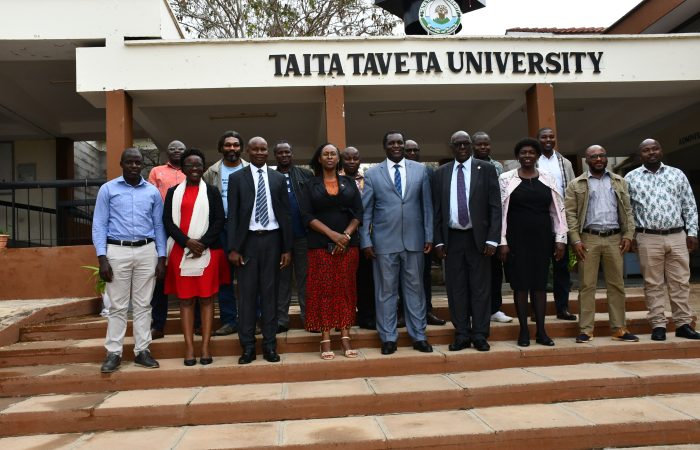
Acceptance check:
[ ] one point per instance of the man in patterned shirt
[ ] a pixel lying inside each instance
(666, 218)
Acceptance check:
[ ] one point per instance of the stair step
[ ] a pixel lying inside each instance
(88, 327)
(69, 378)
(293, 341)
(664, 419)
(340, 398)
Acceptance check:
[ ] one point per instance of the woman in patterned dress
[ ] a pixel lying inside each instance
(332, 209)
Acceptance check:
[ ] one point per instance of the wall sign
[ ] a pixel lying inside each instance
(400, 63)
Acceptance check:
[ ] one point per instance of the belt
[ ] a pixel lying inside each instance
(262, 232)
(459, 230)
(602, 233)
(661, 232)
(140, 243)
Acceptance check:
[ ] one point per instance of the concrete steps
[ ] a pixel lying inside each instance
(571, 396)
(71, 377)
(89, 327)
(293, 341)
(670, 419)
(67, 413)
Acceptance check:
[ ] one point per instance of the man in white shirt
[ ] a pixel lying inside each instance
(560, 168)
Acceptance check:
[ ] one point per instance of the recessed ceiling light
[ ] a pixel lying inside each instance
(400, 111)
(243, 116)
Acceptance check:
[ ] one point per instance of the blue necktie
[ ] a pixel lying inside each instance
(462, 207)
(261, 202)
(397, 179)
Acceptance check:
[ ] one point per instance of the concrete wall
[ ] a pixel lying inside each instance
(31, 273)
(83, 19)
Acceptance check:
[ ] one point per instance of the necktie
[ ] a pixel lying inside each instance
(462, 208)
(397, 179)
(261, 202)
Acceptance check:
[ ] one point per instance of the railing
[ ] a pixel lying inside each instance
(48, 213)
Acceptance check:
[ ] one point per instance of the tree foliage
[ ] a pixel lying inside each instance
(282, 18)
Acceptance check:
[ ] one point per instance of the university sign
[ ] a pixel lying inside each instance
(401, 63)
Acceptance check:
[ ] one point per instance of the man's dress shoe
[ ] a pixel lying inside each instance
(459, 344)
(423, 346)
(111, 363)
(247, 357)
(658, 334)
(686, 331)
(432, 319)
(271, 356)
(388, 347)
(481, 345)
(565, 315)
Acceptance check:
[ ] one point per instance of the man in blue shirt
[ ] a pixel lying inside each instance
(230, 145)
(129, 238)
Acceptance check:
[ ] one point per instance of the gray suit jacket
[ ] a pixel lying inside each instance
(397, 224)
(484, 202)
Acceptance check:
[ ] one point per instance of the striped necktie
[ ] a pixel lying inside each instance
(397, 179)
(261, 202)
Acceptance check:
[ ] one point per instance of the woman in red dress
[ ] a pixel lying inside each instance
(193, 216)
(332, 209)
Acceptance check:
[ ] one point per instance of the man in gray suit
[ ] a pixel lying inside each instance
(398, 209)
(468, 215)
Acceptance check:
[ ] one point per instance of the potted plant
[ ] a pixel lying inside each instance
(100, 288)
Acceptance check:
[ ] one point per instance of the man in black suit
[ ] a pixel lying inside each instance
(467, 204)
(260, 239)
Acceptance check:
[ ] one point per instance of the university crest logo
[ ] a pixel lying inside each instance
(439, 16)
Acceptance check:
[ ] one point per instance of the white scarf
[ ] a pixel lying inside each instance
(199, 224)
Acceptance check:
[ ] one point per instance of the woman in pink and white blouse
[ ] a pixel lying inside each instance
(533, 229)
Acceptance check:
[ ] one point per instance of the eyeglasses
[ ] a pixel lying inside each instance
(412, 150)
(461, 144)
(598, 156)
(193, 166)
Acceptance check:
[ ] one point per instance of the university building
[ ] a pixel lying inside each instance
(79, 75)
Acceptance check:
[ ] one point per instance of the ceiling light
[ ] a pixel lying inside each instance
(243, 116)
(400, 111)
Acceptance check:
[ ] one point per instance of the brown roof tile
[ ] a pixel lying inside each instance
(579, 30)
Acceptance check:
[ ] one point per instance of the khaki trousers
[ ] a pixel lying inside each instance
(605, 250)
(665, 261)
(134, 270)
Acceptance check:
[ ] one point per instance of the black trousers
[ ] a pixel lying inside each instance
(259, 277)
(468, 282)
(366, 309)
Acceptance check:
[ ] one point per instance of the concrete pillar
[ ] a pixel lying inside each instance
(335, 116)
(120, 129)
(65, 170)
(540, 108)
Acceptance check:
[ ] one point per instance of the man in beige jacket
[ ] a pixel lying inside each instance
(601, 229)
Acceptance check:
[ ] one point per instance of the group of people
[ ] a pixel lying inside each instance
(360, 245)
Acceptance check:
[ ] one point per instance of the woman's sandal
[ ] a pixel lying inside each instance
(349, 353)
(326, 355)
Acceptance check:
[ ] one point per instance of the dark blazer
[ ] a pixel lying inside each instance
(335, 211)
(484, 203)
(299, 176)
(241, 198)
(210, 238)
